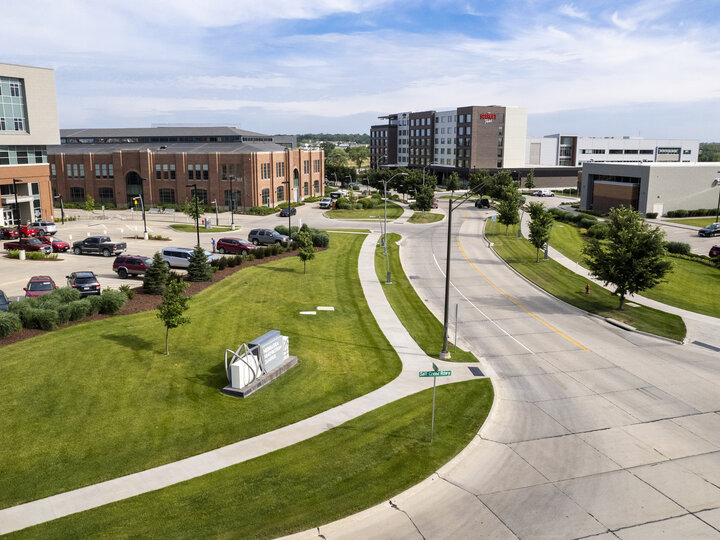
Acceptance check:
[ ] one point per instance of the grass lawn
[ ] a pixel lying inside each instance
(188, 227)
(690, 285)
(570, 287)
(429, 217)
(393, 211)
(695, 222)
(342, 471)
(99, 400)
(415, 316)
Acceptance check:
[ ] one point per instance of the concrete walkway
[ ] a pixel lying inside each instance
(702, 329)
(407, 383)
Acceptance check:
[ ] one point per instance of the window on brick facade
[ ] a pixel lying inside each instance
(158, 172)
(265, 197)
(77, 194)
(166, 196)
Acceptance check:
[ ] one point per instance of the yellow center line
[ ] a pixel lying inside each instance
(518, 304)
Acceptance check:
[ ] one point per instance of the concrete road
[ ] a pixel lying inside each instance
(595, 430)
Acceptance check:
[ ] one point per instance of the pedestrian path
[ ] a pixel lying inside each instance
(413, 359)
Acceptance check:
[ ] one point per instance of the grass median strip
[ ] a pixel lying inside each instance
(415, 316)
(188, 227)
(570, 287)
(429, 217)
(109, 402)
(342, 471)
(393, 211)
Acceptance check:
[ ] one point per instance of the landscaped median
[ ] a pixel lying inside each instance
(570, 287)
(394, 211)
(427, 217)
(415, 316)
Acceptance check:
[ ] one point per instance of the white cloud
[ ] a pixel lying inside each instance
(569, 10)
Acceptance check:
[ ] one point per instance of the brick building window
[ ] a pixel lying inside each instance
(306, 188)
(316, 186)
(106, 195)
(280, 193)
(202, 195)
(306, 166)
(166, 196)
(265, 197)
(280, 169)
(77, 194)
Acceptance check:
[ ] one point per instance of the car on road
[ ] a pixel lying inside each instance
(28, 244)
(27, 230)
(326, 203)
(542, 193)
(57, 245)
(98, 245)
(267, 237)
(288, 211)
(180, 257)
(7, 233)
(131, 265)
(85, 281)
(482, 203)
(234, 245)
(714, 251)
(711, 230)
(4, 301)
(39, 285)
(44, 227)
(435, 203)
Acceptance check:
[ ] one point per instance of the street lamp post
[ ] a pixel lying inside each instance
(62, 209)
(232, 204)
(289, 210)
(17, 181)
(142, 207)
(716, 182)
(197, 211)
(387, 258)
(217, 216)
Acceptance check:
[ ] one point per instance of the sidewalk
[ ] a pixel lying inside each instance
(408, 382)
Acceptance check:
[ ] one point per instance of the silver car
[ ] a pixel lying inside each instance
(44, 228)
(180, 257)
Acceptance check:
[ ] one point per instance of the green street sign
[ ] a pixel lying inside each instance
(435, 373)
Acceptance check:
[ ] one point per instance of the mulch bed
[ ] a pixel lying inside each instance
(146, 302)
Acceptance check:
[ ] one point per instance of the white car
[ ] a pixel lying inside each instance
(542, 193)
(44, 227)
(326, 203)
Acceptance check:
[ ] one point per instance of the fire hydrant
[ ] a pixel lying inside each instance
(587, 288)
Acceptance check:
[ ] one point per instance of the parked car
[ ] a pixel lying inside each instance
(4, 301)
(39, 285)
(435, 203)
(28, 244)
(326, 203)
(8, 233)
(86, 282)
(180, 257)
(98, 245)
(57, 245)
(711, 230)
(288, 211)
(543, 193)
(714, 251)
(44, 227)
(27, 230)
(131, 265)
(482, 203)
(267, 237)
(234, 245)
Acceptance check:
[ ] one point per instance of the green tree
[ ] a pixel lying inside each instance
(424, 198)
(89, 204)
(199, 269)
(632, 257)
(498, 183)
(305, 245)
(156, 277)
(336, 157)
(479, 181)
(452, 183)
(173, 305)
(530, 180)
(327, 147)
(508, 206)
(541, 222)
(193, 210)
(358, 154)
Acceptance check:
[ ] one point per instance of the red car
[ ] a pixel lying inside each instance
(8, 234)
(131, 265)
(57, 245)
(234, 245)
(27, 230)
(714, 251)
(39, 285)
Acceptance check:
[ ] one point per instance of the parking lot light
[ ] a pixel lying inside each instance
(17, 181)
(197, 211)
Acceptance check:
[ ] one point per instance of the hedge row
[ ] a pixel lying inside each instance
(319, 237)
(585, 221)
(691, 213)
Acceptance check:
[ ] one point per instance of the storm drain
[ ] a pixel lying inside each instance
(476, 372)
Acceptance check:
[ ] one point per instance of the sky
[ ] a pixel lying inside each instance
(648, 68)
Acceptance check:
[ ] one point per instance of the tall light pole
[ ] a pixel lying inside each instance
(17, 181)
(232, 204)
(62, 209)
(716, 182)
(289, 210)
(142, 206)
(387, 258)
(197, 211)
(217, 216)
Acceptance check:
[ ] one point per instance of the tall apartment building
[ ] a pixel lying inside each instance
(463, 139)
(28, 123)
(234, 167)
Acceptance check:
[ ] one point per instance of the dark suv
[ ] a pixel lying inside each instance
(267, 237)
(131, 265)
(711, 230)
(85, 282)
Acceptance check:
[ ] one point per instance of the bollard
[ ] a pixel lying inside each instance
(587, 289)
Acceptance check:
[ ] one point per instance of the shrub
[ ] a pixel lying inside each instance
(43, 319)
(156, 276)
(261, 210)
(231, 262)
(598, 230)
(679, 248)
(111, 301)
(586, 223)
(63, 313)
(222, 263)
(376, 195)
(22, 305)
(320, 238)
(127, 291)
(238, 259)
(343, 204)
(78, 309)
(259, 253)
(651, 215)
(282, 229)
(199, 269)
(9, 323)
(368, 202)
(93, 305)
(677, 213)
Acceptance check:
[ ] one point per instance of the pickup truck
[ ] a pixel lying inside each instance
(98, 245)
(28, 244)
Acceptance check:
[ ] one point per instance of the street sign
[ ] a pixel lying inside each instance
(435, 373)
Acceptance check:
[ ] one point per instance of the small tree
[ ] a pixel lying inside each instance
(530, 180)
(89, 204)
(193, 208)
(156, 277)
(632, 257)
(173, 305)
(424, 198)
(304, 243)
(508, 206)
(352, 198)
(540, 224)
(199, 269)
(452, 183)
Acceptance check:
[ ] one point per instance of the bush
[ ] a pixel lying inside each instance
(679, 248)
(586, 223)
(156, 276)
(78, 309)
(651, 215)
(598, 230)
(111, 301)
(127, 291)
(222, 263)
(368, 202)
(42, 319)
(677, 213)
(259, 252)
(376, 195)
(93, 305)
(9, 323)
(343, 204)
(21, 306)
(282, 229)
(320, 238)
(238, 259)
(261, 210)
